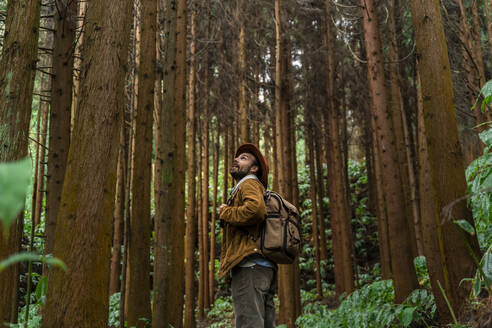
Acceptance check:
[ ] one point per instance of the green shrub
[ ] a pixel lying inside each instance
(372, 306)
(479, 177)
(222, 313)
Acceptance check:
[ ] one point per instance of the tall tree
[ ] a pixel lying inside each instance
(191, 224)
(119, 211)
(313, 193)
(243, 96)
(215, 177)
(404, 277)
(79, 296)
(205, 137)
(337, 191)
(286, 273)
(169, 288)
(446, 251)
(60, 112)
(17, 69)
(138, 293)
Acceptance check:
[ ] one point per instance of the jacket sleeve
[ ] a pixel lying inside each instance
(252, 210)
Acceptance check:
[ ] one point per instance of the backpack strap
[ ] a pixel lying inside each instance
(235, 190)
(233, 195)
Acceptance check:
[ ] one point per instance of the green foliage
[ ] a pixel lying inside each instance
(32, 257)
(421, 271)
(35, 318)
(222, 313)
(486, 93)
(14, 180)
(479, 177)
(114, 310)
(483, 276)
(371, 306)
(35, 314)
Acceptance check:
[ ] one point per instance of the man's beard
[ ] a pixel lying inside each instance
(239, 174)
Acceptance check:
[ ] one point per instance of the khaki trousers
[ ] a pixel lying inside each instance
(253, 289)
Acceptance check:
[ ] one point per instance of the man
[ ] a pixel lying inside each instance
(253, 276)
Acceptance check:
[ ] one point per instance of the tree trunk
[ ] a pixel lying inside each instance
(320, 189)
(40, 185)
(404, 277)
(486, 4)
(201, 259)
(397, 113)
(169, 288)
(225, 174)
(337, 192)
(205, 182)
(119, 213)
(191, 223)
(286, 273)
(138, 293)
(211, 284)
(473, 62)
(79, 297)
(45, 92)
(477, 46)
(243, 100)
(378, 195)
(80, 28)
(453, 262)
(17, 69)
(60, 113)
(313, 192)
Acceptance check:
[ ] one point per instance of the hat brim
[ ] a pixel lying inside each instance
(250, 148)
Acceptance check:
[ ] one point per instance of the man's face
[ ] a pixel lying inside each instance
(243, 165)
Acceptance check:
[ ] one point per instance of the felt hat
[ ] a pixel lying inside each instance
(252, 149)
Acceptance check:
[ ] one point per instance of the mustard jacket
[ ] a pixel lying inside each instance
(246, 213)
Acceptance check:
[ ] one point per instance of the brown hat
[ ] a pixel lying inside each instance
(263, 172)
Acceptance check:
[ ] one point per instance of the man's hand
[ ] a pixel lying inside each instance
(221, 207)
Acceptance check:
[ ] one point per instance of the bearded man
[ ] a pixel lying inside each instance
(253, 277)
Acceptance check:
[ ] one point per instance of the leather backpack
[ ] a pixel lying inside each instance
(279, 234)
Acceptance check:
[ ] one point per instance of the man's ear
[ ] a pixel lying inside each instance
(254, 169)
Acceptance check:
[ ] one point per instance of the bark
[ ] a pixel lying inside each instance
(79, 297)
(131, 80)
(404, 277)
(211, 284)
(60, 113)
(81, 29)
(337, 192)
(45, 92)
(397, 113)
(138, 293)
(243, 100)
(40, 185)
(225, 173)
(17, 69)
(286, 273)
(473, 61)
(191, 223)
(119, 213)
(36, 161)
(320, 189)
(378, 195)
(486, 4)
(169, 288)
(205, 183)
(477, 45)
(201, 282)
(450, 260)
(314, 214)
